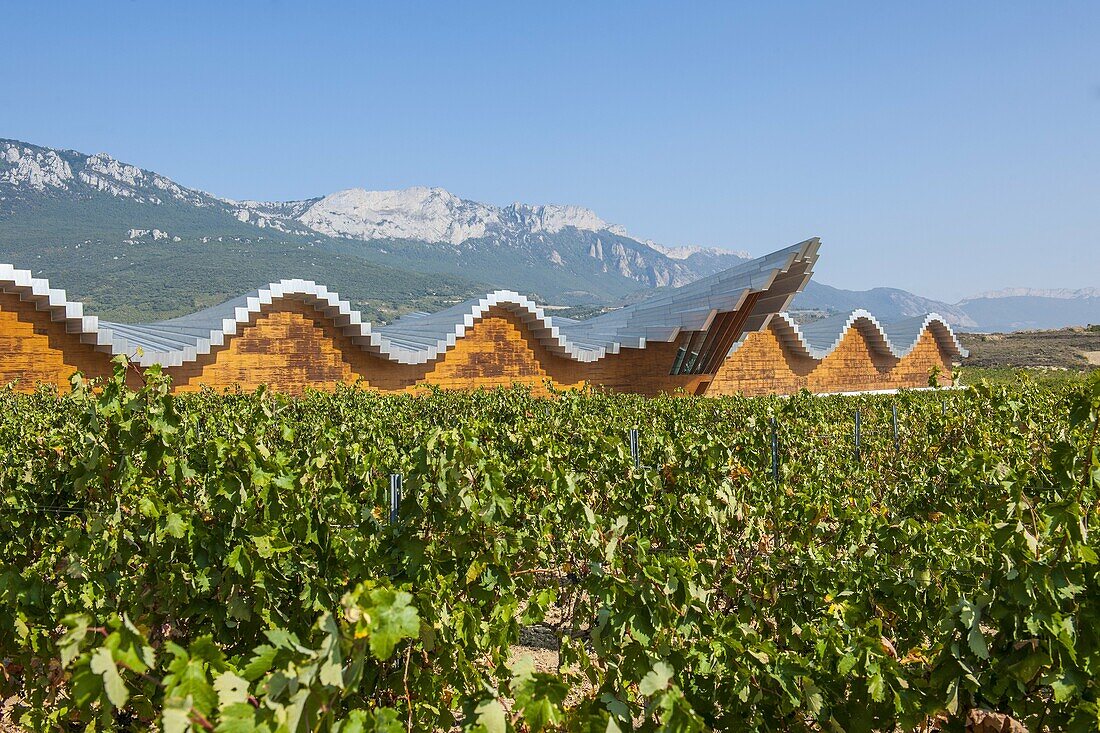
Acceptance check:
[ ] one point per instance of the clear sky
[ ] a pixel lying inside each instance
(945, 148)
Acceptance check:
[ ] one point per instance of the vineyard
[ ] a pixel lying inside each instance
(357, 562)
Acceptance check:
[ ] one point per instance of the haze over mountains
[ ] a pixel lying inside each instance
(135, 245)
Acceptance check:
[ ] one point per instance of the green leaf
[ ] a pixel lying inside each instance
(876, 687)
(103, 664)
(1064, 689)
(128, 646)
(657, 679)
(187, 680)
(284, 639)
(617, 708)
(976, 640)
(297, 711)
(475, 569)
(391, 619)
(85, 686)
(538, 696)
(356, 721)
(951, 704)
(811, 696)
(70, 643)
(175, 526)
(263, 547)
(205, 649)
(1027, 668)
(231, 689)
(677, 714)
(611, 548)
(491, 717)
(263, 657)
(386, 720)
(332, 672)
(589, 515)
(380, 720)
(176, 719)
(238, 717)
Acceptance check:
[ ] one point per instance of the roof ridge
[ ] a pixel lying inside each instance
(661, 317)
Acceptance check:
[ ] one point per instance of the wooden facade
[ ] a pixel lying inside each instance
(765, 364)
(292, 346)
(34, 349)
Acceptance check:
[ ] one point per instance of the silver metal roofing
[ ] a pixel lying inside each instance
(819, 339)
(420, 337)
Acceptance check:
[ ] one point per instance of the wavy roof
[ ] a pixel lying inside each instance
(819, 339)
(420, 338)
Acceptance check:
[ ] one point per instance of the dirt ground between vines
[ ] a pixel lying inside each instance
(6, 708)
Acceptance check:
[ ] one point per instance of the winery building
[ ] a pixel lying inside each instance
(724, 334)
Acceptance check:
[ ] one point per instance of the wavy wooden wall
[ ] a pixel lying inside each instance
(288, 348)
(765, 365)
(35, 349)
(292, 347)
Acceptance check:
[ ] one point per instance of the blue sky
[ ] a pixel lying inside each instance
(945, 148)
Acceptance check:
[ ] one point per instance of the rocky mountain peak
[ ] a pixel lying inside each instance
(439, 216)
(37, 168)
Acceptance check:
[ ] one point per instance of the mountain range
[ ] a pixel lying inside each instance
(135, 245)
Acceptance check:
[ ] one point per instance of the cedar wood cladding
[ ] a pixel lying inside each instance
(292, 347)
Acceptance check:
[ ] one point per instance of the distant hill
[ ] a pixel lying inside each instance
(1016, 309)
(888, 304)
(1032, 312)
(135, 245)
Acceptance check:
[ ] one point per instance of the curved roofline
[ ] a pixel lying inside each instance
(423, 338)
(61, 309)
(113, 337)
(344, 316)
(877, 335)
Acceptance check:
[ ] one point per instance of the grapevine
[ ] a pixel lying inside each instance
(228, 562)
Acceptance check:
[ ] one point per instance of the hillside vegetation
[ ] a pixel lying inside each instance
(134, 245)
